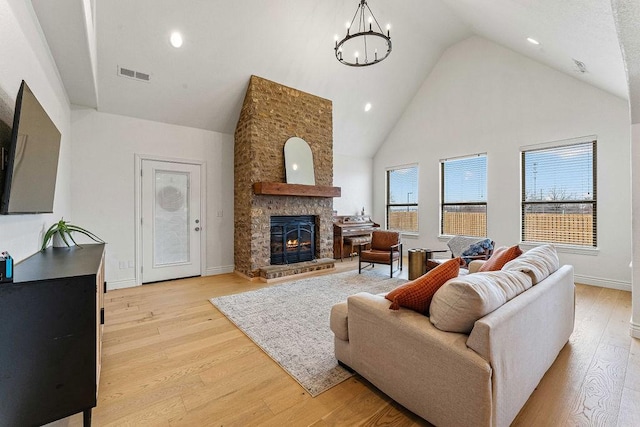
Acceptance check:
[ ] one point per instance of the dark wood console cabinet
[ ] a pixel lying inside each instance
(51, 320)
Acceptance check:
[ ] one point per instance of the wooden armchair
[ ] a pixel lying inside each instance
(386, 248)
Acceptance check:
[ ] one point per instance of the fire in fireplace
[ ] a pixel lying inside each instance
(292, 239)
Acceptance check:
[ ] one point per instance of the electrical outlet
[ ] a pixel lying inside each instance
(122, 265)
(220, 214)
(131, 265)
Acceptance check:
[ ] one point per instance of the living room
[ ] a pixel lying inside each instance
(475, 96)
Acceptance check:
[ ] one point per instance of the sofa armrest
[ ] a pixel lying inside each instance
(338, 321)
(522, 338)
(431, 372)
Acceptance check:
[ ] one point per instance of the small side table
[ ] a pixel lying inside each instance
(429, 265)
(419, 261)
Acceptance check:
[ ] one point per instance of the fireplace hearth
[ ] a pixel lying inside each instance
(292, 239)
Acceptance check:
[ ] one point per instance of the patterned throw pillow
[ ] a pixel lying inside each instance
(417, 294)
(500, 257)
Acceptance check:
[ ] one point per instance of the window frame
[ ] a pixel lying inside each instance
(593, 140)
(444, 204)
(389, 205)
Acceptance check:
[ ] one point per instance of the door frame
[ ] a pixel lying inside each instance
(138, 208)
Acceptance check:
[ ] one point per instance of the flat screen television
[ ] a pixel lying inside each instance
(31, 163)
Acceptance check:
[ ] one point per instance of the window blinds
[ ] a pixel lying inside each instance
(402, 199)
(464, 196)
(559, 198)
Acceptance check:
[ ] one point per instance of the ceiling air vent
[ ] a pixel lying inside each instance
(132, 74)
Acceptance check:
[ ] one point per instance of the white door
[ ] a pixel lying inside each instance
(171, 223)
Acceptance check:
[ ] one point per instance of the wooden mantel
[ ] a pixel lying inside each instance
(300, 190)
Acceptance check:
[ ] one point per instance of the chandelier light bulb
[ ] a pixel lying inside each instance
(367, 107)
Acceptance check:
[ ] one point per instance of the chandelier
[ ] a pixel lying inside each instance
(364, 44)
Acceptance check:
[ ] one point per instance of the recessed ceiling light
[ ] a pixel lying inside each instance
(367, 107)
(533, 41)
(176, 39)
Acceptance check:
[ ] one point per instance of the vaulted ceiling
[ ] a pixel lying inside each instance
(202, 84)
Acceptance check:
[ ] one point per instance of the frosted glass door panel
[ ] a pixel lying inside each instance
(171, 218)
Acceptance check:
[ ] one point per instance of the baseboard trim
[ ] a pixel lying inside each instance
(130, 283)
(634, 330)
(602, 282)
(121, 284)
(213, 271)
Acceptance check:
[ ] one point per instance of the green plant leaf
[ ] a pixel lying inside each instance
(65, 229)
(48, 235)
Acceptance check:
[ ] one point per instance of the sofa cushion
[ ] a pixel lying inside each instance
(500, 257)
(418, 293)
(461, 301)
(538, 263)
(382, 257)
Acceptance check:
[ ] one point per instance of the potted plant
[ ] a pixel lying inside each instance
(62, 230)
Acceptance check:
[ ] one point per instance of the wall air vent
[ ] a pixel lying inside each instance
(132, 74)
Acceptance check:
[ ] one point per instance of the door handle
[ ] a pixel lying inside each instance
(197, 228)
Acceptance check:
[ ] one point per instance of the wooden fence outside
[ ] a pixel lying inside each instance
(465, 223)
(570, 228)
(404, 221)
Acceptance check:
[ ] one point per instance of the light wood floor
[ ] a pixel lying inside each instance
(171, 359)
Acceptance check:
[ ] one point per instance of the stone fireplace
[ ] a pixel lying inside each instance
(271, 114)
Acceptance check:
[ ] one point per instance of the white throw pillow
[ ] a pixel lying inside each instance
(461, 301)
(538, 263)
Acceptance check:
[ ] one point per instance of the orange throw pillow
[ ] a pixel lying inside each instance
(500, 257)
(418, 293)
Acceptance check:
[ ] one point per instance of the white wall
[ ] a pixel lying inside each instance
(354, 176)
(482, 97)
(635, 196)
(25, 56)
(104, 148)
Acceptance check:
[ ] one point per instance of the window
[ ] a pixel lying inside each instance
(559, 194)
(402, 199)
(464, 196)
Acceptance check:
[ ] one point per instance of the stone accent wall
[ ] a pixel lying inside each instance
(270, 115)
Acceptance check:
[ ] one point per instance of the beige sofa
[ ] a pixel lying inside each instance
(455, 379)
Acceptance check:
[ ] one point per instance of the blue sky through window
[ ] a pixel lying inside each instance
(561, 173)
(403, 185)
(465, 180)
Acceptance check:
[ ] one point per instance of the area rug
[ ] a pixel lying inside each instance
(290, 322)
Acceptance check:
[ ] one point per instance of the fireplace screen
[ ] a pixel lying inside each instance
(292, 239)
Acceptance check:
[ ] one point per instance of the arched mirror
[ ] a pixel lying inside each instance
(298, 161)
